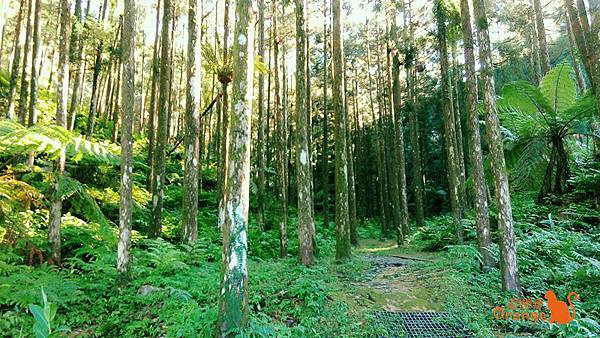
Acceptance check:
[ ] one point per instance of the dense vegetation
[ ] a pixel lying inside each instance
(168, 176)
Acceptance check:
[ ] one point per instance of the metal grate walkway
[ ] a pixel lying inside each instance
(421, 325)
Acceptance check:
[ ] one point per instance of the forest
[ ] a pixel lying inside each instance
(305, 168)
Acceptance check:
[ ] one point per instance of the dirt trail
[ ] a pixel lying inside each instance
(395, 282)
(402, 292)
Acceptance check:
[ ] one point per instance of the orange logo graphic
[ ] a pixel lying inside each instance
(531, 309)
(559, 311)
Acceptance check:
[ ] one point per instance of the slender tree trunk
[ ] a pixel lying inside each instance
(580, 41)
(12, 87)
(413, 120)
(261, 119)
(594, 45)
(233, 304)
(116, 113)
(192, 123)
(54, 53)
(55, 212)
(128, 103)
(153, 101)
(138, 122)
(325, 145)
(460, 153)
(541, 35)
(391, 149)
(392, 219)
(171, 85)
(161, 134)
(508, 249)
(351, 172)
(303, 165)
(3, 5)
(25, 74)
(578, 75)
(377, 140)
(281, 142)
(97, 67)
(399, 130)
(222, 168)
(78, 62)
(474, 144)
(35, 61)
(449, 125)
(342, 221)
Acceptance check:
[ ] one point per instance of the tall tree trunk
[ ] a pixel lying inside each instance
(115, 111)
(449, 125)
(351, 172)
(534, 55)
(55, 212)
(303, 165)
(578, 75)
(54, 53)
(233, 304)
(138, 123)
(342, 221)
(460, 153)
(192, 123)
(97, 67)
(589, 63)
(594, 42)
(223, 160)
(474, 144)
(377, 140)
(161, 132)
(508, 249)
(309, 117)
(77, 60)
(325, 145)
(390, 138)
(153, 101)
(35, 63)
(260, 215)
(541, 35)
(413, 119)
(128, 103)
(281, 143)
(25, 74)
(399, 128)
(16, 62)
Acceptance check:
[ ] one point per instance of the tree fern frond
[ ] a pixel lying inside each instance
(559, 87)
(529, 159)
(524, 110)
(51, 140)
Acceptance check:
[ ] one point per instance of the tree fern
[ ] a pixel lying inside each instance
(539, 120)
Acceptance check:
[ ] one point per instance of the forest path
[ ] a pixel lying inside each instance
(396, 281)
(403, 291)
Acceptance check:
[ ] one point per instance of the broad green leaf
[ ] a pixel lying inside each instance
(40, 331)
(38, 314)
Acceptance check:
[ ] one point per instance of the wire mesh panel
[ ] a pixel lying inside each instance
(421, 325)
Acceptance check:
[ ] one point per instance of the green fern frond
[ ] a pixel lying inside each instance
(51, 140)
(559, 87)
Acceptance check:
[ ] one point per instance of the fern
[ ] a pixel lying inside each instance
(51, 140)
(536, 117)
(13, 190)
(559, 87)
